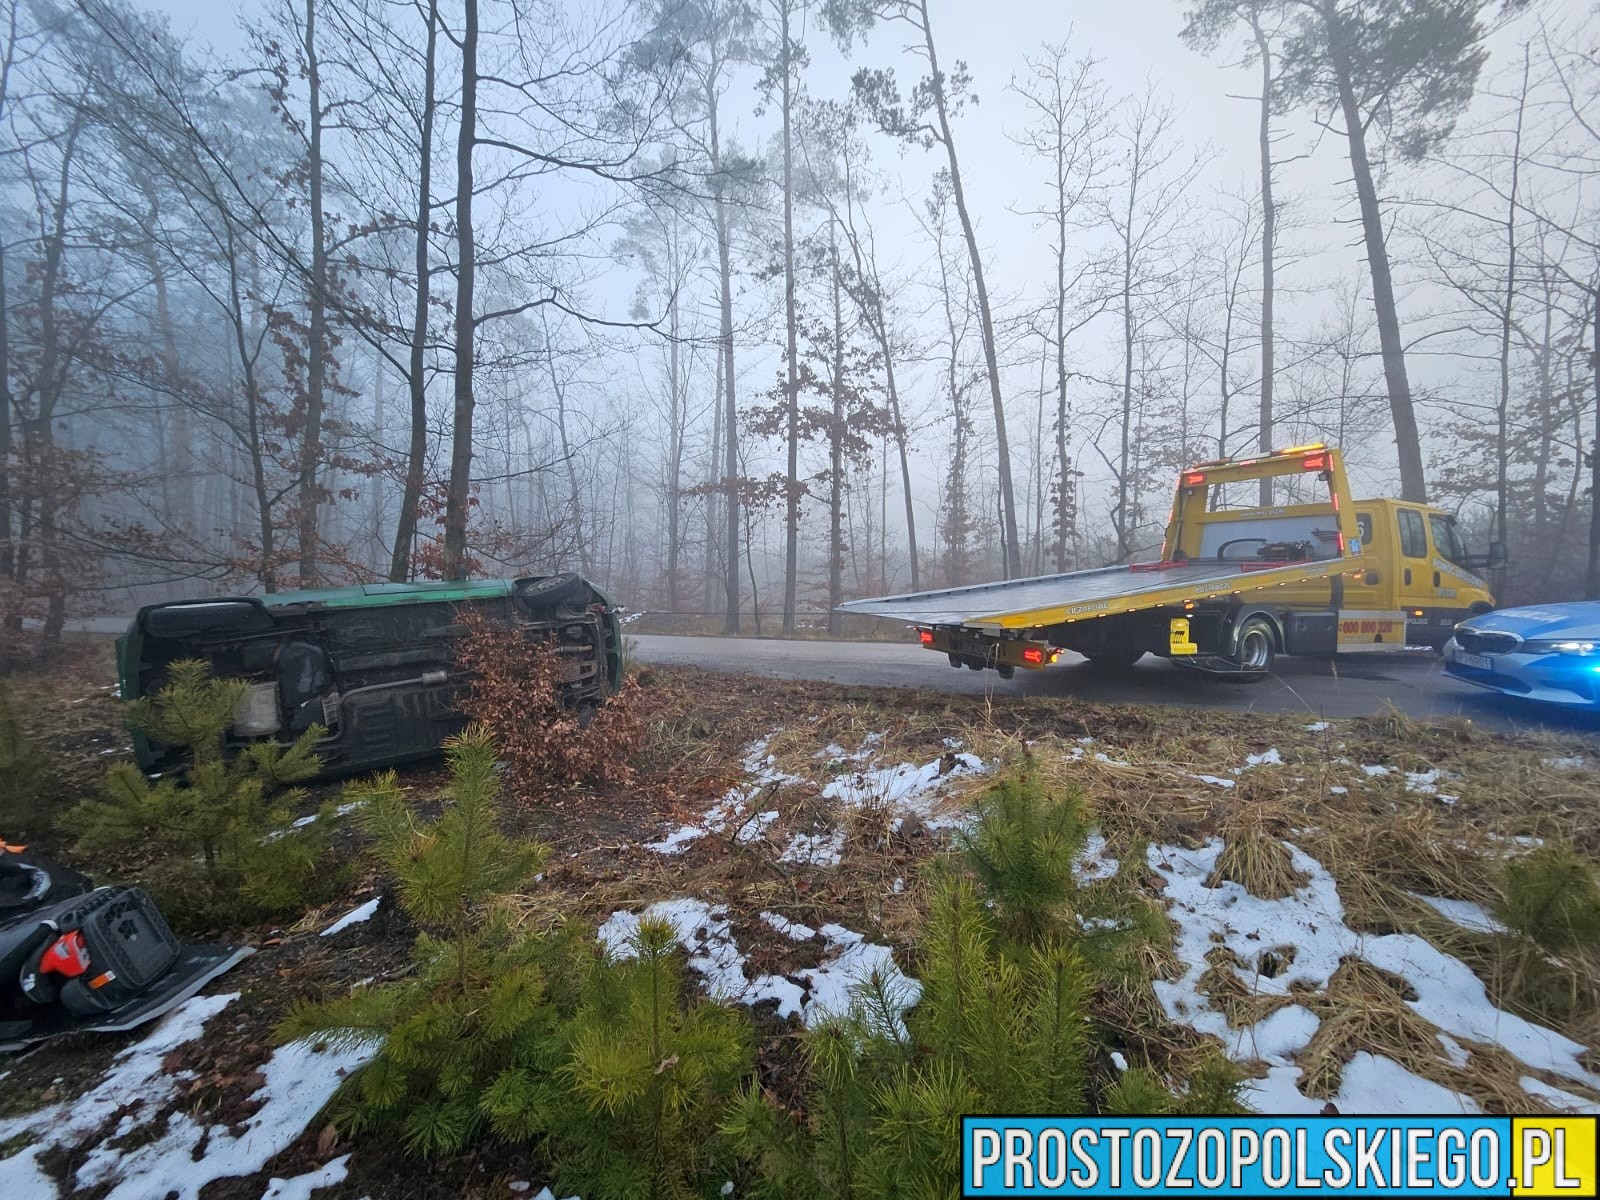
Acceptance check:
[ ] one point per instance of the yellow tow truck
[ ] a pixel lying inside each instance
(1233, 588)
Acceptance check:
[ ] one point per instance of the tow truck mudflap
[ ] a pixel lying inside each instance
(966, 648)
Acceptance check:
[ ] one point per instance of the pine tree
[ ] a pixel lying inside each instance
(652, 1074)
(223, 828)
(24, 778)
(1022, 848)
(1550, 897)
(472, 1037)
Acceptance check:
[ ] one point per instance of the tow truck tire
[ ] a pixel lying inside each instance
(1005, 671)
(955, 661)
(1254, 649)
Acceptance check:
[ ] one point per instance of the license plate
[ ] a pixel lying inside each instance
(1474, 660)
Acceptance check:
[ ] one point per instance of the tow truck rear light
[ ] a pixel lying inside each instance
(1033, 654)
(925, 636)
(1194, 478)
(1314, 462)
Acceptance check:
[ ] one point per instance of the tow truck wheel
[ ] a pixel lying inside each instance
(1005, 670)
(1255, 649)
(955, 661)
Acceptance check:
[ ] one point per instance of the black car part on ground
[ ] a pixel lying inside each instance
(77, 958)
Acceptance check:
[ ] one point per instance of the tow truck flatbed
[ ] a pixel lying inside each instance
(1094, 593)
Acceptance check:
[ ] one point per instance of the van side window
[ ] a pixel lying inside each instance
(1413, 537)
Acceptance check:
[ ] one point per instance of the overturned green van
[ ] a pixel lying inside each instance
(374, 664)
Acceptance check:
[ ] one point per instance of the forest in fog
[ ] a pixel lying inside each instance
(743, 308)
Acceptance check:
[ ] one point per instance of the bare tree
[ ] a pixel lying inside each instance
(926, 120)
(1142, 209)
(1068, 106)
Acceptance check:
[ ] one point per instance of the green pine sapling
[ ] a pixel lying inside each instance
(219, 834)
(471, 1038)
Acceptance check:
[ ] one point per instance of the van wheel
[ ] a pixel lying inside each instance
(552, 592)
(1255, 649)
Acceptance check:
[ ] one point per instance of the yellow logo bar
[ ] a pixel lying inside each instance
(1554, 1156)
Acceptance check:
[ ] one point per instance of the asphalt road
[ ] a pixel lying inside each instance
(1353, 685)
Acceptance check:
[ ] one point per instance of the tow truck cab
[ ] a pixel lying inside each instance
(1235, 584)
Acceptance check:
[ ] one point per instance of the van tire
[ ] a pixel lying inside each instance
(554, 592)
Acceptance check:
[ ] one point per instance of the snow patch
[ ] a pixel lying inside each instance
(297, 1083)
(815, 849)
(354, 917)
(1319, 726)
(136, 1082)
(1573, 762)
(789, 929)
(729, 812)
(1465, 913)
(1092, 863)
(1311, 922)
(910, 788)
(823, 991)
(301, 1186)
(1267, 758)
(1556, 1098)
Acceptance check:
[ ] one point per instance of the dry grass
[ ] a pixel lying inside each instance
(1379, 840)
(1254, 856)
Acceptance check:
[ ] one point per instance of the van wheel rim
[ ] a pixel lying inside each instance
(1254, 651)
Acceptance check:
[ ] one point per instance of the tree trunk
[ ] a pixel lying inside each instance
(1124, 545)
(1065, 490)
(405, 533)
(836, 449)
(1269, 241)
(878, 322)
(459, 494)
(713, 526)
(266, 569)
(1591, 587)
(8, 620)
(1408, 443)
(49, 385)
(730, 412)
(1008, 499)
(791, 397)
(674, 435)
(317, 352)
(1503, 408)
(569, 455)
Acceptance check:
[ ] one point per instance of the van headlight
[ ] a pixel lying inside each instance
(1581, 649)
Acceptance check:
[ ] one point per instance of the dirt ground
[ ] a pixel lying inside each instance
(1346, 793)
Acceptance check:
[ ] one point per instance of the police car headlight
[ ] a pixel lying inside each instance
(1565, 646)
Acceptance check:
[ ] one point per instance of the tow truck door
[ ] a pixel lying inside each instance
(1416, 584)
